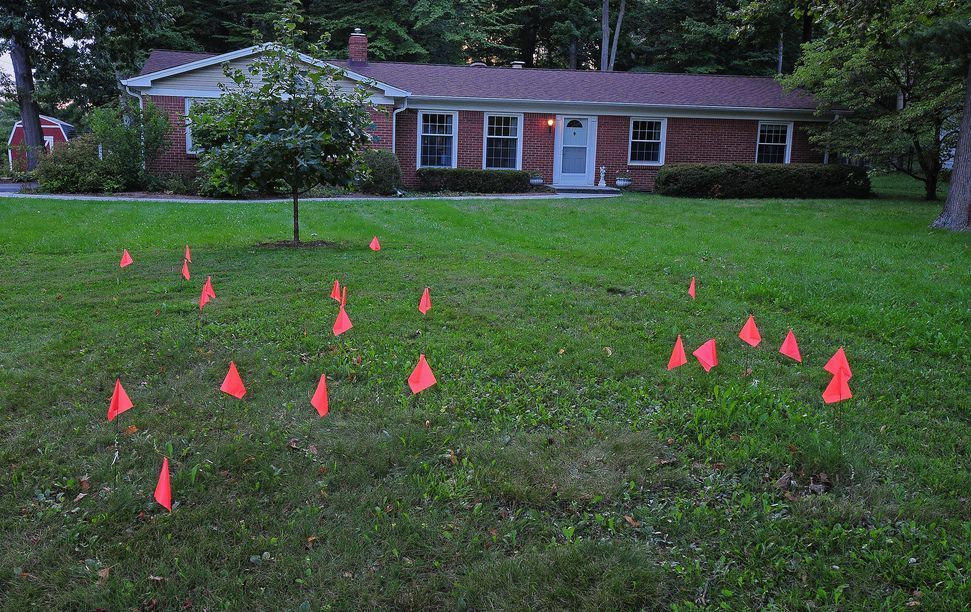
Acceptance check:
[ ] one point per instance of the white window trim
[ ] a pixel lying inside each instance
(630, 141)
(455, 138)
(49, 143)
(519, 139)
(758, 133)
(189, 150)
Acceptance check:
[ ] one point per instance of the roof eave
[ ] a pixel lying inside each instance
(144, 81)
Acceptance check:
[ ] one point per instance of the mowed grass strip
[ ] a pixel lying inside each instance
(557, 464)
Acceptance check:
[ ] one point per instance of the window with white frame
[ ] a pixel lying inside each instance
(774, 144)
(647, 141)
(502, 146)
(436, 139)
(189, 148)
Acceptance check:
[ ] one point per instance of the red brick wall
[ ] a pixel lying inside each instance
(381, 136)
(803, 152)
(470, 139)
(538, 144)
(689, 141)
(173, 159)
(406, 139)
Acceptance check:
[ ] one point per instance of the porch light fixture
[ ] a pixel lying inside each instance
(549, 125)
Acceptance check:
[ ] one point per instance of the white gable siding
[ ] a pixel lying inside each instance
(206, 81)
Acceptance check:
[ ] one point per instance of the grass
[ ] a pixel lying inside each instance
(557, 464)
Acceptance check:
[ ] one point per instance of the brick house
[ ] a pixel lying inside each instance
(563, 124)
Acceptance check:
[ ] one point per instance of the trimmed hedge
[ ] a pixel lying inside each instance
(469, 179)
(384, 174)
(763, 181)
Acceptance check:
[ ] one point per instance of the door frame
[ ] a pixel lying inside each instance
(591, 148)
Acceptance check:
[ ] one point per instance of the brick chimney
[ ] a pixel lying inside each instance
(357, 48)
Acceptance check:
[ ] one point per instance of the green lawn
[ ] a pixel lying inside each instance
(557, 464)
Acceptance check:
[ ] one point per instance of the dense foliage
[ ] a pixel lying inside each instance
(473, 180)
(763, 181)
(383, 172)
(282, 125)
(130, 138)
(74, 167)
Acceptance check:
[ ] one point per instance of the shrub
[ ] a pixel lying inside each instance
(763, 181)
(383, 172)
(468, 179)
(74, 167)
(181, 183)
(130, 138)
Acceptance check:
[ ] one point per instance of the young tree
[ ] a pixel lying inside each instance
(284, 123)
(904, 98)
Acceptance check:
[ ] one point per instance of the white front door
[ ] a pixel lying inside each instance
(574, 150)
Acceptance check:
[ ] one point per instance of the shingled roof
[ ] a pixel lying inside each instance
(648, 88)
(549, 85)
(162, 59)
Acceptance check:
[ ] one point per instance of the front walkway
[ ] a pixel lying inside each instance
(162, 198)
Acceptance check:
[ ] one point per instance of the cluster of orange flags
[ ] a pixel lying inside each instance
(707, 355)
(838, 388)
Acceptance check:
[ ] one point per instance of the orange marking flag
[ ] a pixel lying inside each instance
(188, 254)
(691, 288)
(233, 384)
(119, 401)
(163, 490)
(750, 332)
(678, 358)
(425, 304)
(126, 259)
(837, 390)
(707, 355)
(319, 400)
(335, 292)
(838, 363)
(422, 377)
(790, 348)
(375, 245)
(185, 269)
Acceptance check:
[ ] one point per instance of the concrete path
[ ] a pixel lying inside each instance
(92, 198)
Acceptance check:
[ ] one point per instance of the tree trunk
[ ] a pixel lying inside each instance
(778, 63)
(807, 25)
(613, 44)
(571, 55)
(957, 208)
(605, 35)
(29, 112)
(930, 186)
(527, 44)
(296, 218)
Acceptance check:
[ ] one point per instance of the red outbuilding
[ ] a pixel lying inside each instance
(55, 131)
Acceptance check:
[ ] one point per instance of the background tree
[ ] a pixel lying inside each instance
(283, 125)
(905, 98)
(74, 45)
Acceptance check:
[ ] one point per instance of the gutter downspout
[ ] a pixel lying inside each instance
(394, 127)
(141, 107)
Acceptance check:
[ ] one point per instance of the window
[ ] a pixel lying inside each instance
(502, 149)
(647, 141)
(188, 130)
(436, 140)
(775, 140)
